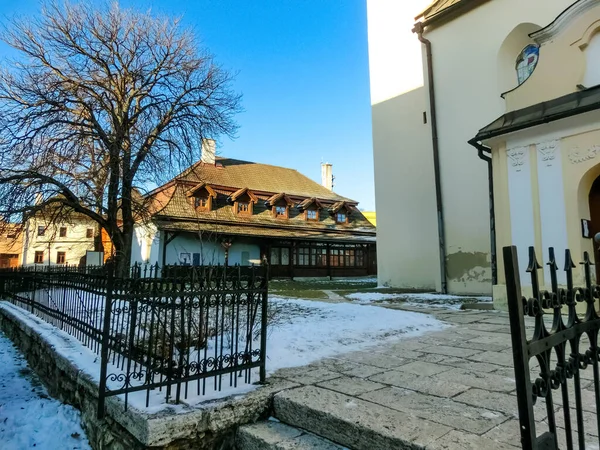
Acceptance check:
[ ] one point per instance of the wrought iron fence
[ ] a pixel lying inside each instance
(564, 343)
(189, 334)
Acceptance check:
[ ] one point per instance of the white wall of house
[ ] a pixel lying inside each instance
(188, 249)
(74, 245)
(145, 245)
(468, 61)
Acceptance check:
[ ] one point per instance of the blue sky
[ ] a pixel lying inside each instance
(303, 71)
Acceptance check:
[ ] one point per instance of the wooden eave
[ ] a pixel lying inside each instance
(309, 202)
(199, 187)
(237, 194)
(273, 200)
(337, 207)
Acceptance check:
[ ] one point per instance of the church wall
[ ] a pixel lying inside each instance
(468, 89)
(557, 164)
(564, 62)
(407, 236)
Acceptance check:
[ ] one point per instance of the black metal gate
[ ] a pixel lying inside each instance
(564, 342)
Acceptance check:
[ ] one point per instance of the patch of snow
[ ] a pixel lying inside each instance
(28, 416)
(300, 332)
(311, 330)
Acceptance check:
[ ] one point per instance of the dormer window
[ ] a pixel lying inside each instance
(200, 202)
(311, 207)
(280, 205)
(243, 201)
(281, 212)
(201, 196)
(243, 207)
(341, 211)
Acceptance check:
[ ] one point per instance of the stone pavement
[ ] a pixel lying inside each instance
(450, 389)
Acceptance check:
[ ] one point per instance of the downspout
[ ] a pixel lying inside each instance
(481, 152)
(418, 29)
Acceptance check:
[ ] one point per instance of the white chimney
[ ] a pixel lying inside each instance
(326, 176)
(209, 147)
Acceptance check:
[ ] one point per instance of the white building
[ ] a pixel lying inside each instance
(61, 243)
(429, 99)
(228, 211)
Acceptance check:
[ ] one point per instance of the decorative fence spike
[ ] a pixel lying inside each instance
(558, 350)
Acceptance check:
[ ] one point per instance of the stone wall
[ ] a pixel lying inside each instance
(209, 428)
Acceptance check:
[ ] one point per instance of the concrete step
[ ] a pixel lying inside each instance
(279, 436)
(352, 422)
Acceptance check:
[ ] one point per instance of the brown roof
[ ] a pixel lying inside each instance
(239, 174)
(440, 7)
(180, 206)
(172, 207)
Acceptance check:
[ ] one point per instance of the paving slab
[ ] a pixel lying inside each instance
(486, 347)
(279, 436)
(481, 380)
(423, 368)
(498, 401)
(450, 351)
(463, 363)
(353, 422)
(441, 410)
(311, 376)
(351, 385)
(426, 385)
(383, 361)
(498, 358)
(456, 440)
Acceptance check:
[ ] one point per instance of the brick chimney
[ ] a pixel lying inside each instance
(326, 176)
(209, 147)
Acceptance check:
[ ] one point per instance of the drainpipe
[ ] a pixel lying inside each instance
(418, 29)
(485, 153)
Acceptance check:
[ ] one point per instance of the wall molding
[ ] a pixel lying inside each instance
(547, 152)
(563, 21)
(516, 157)
(577, 155)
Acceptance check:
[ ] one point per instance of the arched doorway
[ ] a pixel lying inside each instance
(594, 200)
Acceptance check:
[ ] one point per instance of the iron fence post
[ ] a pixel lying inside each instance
(34, 289)
(263, 327)
(519, 345)
(105, 337)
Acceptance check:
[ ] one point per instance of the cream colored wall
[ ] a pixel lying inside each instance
(562, 62)
(578, 151)
(407, 253)
(468, 88)
(75, 244)
(465, 61)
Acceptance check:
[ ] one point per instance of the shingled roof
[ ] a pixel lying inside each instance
(172, 208)
(259, 177)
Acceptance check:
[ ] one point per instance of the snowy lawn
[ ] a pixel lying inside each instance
(28, 416)
(416, 299)
(304, 331)
(299, 332)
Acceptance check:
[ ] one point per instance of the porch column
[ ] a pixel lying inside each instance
(328, 261)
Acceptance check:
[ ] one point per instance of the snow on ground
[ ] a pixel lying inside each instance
(306, 331)
(417, 299)
(300, 332)
(28, 416)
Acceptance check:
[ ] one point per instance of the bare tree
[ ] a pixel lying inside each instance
(103, 101)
